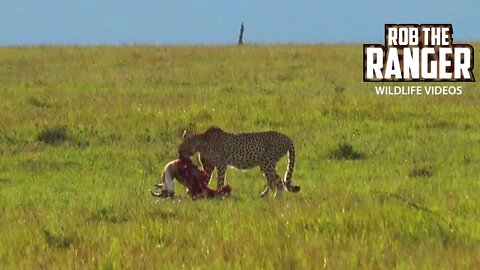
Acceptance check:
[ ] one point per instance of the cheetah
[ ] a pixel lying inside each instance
(219, 149)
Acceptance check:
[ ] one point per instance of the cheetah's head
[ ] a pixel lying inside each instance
(190, 144)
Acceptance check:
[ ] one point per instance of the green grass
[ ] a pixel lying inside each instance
(86, 131)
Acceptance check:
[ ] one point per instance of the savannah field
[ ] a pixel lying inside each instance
(388, 182)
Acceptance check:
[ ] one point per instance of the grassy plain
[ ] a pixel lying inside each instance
(409, 200)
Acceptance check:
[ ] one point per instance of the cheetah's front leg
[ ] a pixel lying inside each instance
(266, 169)
(207, 165)
(221, 172)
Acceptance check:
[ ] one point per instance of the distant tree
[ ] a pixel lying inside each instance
(240, 38)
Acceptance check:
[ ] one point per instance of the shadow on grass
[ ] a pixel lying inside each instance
(59, 240)
(59, 134)
(108, 214)
(5, 180)
(344, 150)
(41, 103)
(421, 172)
(164, 215)
(53, 135)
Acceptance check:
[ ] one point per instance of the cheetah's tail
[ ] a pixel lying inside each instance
(289, 173)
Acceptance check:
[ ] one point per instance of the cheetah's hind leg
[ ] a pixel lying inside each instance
(279, 185)
(269, 173)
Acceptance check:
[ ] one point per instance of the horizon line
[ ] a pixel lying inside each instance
(153, 44)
